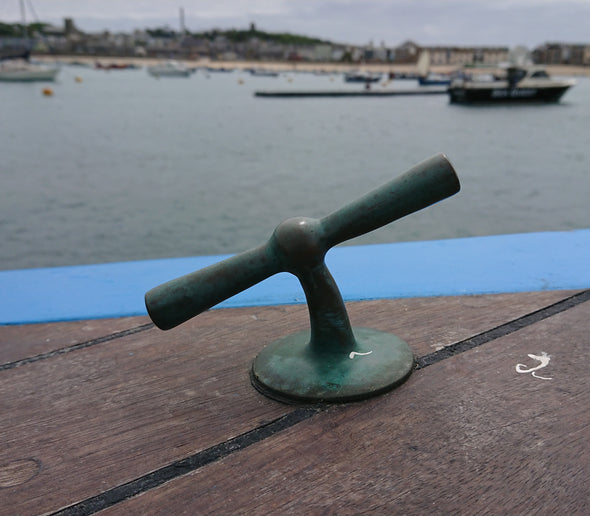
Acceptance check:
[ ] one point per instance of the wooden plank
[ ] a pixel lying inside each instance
(82, 422)
(103, 415)
(428, 324)
(24, 341)
(468, 435)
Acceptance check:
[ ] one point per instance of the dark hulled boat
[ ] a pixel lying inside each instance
(519, 84)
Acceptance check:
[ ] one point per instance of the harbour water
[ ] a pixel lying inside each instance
(119, 166)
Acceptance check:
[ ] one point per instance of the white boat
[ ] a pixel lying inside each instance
(22, 70)
(518, 84)
(169, 69)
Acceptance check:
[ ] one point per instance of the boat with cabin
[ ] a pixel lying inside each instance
(516, 84)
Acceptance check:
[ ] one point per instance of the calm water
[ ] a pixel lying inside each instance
(125, 167)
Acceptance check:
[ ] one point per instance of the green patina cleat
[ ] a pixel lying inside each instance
(333, 362)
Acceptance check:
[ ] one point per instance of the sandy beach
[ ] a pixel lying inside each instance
(558, 70)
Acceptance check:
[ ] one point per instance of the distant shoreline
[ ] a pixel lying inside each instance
(557, 70)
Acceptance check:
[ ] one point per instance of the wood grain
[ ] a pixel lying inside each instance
(468, 435)
(104, 415)
(79, 423)
(428, 324)
(23, 341)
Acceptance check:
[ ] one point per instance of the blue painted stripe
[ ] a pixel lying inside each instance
(478, 265)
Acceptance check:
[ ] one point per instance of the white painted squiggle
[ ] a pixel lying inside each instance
(354, 353)
(544, 358)
(541, 377)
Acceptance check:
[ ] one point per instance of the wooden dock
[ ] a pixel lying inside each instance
(114, 416)
(353, 93)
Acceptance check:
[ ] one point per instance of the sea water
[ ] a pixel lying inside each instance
(119, 166)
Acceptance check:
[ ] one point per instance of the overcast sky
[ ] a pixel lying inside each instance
(428, 22)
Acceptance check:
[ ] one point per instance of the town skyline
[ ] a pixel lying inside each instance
(358, 22)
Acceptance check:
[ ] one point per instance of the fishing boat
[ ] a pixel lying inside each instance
(517, 84)
(169, 69)
(23, 70)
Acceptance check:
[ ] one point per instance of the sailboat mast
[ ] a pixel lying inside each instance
(182, 26)
(23, 17)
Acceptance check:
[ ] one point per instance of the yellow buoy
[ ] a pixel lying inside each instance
(48, 92)
(78, 78)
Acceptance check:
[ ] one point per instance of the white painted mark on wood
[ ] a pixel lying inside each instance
(543, 358)
(354, 354)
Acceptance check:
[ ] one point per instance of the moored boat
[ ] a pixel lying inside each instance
(434, 79)
(361, 76)
(115, 66)
(261, 72)
(23, 70)
(518, 84)
(428, 78)
(169, 69)
(16, 64)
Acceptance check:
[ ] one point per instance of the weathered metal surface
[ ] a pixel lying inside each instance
(298, 246)
(291, 369)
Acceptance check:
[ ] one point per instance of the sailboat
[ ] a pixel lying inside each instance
(23, 70)
(425, 76)
(19, 68)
